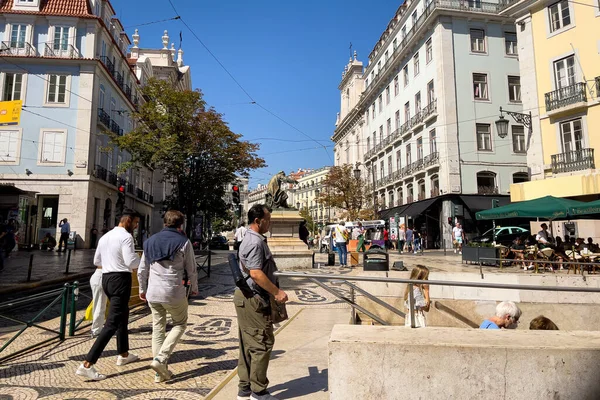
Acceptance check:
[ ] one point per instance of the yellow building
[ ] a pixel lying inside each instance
(558, 47)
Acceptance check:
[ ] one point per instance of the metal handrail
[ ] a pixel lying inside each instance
(438, 283)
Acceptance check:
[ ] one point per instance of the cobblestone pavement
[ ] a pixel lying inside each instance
(207, 352)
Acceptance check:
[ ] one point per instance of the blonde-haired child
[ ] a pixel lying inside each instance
(420, 295)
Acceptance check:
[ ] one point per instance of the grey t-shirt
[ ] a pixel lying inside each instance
(255, 254)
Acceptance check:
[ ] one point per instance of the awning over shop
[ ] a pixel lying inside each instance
(418, 208)
(390, 212)
(12, 190)
(478, 203)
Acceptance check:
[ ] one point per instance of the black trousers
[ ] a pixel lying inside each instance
(64, 238)
(117, 287)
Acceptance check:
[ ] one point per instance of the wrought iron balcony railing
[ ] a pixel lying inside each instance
(128, 91)
(111, 178)
(429, 110)
(431, 159)
(566, 96)
(100, 172)
(69, 52)
(115, 128)
(22, 49)
(103, 117)
(572, 161)
(487, 190)
(108, 63)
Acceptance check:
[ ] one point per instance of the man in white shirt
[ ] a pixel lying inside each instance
(542, 236)
(458, 237)
(116, 255)
(240, 232)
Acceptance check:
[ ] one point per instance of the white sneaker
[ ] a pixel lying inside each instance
(243, 397)
(160, 368)
(454, 251)
(460, 252)
(126, 360)
(90, 373)
(159, 379)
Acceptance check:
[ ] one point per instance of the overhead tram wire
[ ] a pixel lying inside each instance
(253, 101)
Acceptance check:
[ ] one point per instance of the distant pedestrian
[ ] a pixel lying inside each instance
(116, 255)
(240, 232)
(93, 237)
(98, 302)
(409, 239)
(255, 324)
(386, 237)
(341, 238)
(359, 234)
(401, 238)
(65, 229)
(9, 239)
(416, 241)
(167, 256)
(48, 242)
(458, 238)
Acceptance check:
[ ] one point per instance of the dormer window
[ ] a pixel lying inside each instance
(26, 5)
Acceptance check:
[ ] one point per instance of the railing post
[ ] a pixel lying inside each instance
(411, 305)
(73, 317)
(353, 310)
(30, 267)
(63, 312)
(68, 261)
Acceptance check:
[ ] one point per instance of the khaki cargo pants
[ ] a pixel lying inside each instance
(256, 342)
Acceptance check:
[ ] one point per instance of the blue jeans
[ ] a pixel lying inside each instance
(343, 252)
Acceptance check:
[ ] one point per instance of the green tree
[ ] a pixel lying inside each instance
(343, 191)
(310, 222)
(191, 144)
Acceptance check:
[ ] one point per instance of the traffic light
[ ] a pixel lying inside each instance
(238, 212)
(120, 200)
(495, 203)
(235, 194)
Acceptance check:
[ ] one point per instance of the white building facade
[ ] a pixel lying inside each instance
(432, 91)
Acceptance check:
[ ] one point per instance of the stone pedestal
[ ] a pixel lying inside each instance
(284, 241)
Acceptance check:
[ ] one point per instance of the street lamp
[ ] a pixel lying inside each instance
(356, 172)
(520, 118)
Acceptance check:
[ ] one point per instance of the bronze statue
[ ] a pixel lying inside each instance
(276, 197)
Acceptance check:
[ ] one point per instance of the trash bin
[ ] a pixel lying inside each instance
(330, 259)
(376, 260)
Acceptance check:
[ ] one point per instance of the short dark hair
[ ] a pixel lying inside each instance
(129, 213)
(174, 219)
(257, 211)
(542, 323)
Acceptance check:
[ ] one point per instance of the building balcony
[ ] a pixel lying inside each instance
(129, 188)
(119, 79)
(115, 128)
(111, 178)
(69, 52)
(128, 92)
(140, 194)
(431, 160)
(14, 49)
(104, 118)
(405, 128)
(566, 98)
(429, 111)
(109, 64)
(487, 190)
(416, 122)
(573, 161)
(100, 172)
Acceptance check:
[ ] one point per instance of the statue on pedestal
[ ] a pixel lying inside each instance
(276, 197)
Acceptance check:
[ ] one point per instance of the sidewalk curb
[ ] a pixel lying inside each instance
(16, 287)
(215, 391)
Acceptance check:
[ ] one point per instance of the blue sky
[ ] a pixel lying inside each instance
(288, 55)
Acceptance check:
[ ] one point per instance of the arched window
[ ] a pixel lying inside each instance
(435, 186)
(421, 186)
(520, 177)
(486, 183)
(409, 193)
(391, 196)
(400, 196)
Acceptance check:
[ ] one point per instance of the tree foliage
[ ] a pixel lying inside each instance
(191, 144)
(310, 222)
(343, 191)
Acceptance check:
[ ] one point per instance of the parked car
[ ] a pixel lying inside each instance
(504, 235)
(218, 242)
